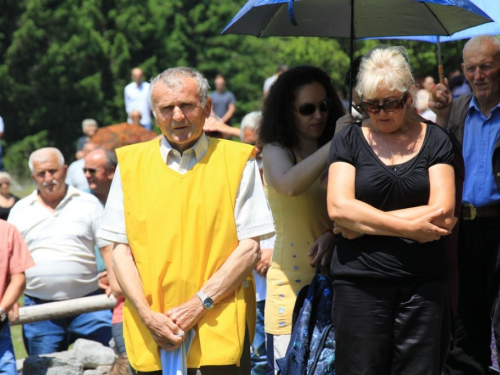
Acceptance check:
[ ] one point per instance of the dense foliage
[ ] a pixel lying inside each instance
(65, 60)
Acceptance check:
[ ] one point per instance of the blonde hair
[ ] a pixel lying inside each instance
(384, 68)
(6, 176)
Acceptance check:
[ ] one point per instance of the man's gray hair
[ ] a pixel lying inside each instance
(172, 78)
(41, 155)
(251, 120)
(477, 41)
(110, 156)
(87, 122)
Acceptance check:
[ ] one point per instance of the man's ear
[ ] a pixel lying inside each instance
(208, 107)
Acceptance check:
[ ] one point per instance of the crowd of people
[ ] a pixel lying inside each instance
(206, 242)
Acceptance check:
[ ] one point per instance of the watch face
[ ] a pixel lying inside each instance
(208, 303)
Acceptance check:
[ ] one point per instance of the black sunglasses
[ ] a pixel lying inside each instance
(308, 109)
(92, 171)
(388, 105)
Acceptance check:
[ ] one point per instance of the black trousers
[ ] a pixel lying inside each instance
(391, 329)
(479, 272)
(244, 368)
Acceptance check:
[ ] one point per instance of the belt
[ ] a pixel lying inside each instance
(469, 212)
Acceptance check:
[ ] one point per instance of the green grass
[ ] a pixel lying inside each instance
(17, 341)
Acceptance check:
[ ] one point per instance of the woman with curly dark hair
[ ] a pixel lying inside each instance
(298, 123)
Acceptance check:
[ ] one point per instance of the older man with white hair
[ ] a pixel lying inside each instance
(186, 214)
(474, 119)
(59, 224)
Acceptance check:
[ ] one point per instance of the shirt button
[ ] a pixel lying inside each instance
(296, 268)
(281, 310)
(280, 282)
(298, 281)
(282, 296)
(282, 324)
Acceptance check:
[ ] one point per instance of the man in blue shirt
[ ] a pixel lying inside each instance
(223, 101)
(475, 120)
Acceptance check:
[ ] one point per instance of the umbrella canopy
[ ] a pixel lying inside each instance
(374, 18)
(355, 19)
(123, 134)
(490, 7)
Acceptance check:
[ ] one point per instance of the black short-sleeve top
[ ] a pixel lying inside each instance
(384, 258)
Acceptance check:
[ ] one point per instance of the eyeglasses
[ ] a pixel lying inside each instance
(308, 109)
(388, 105)
(92, 171)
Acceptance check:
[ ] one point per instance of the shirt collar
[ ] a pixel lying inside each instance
(474, 104)
(199, 148)
(70, 192)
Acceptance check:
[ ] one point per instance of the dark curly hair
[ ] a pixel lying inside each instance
(277, 113)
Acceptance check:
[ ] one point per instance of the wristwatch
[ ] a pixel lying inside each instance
(3, 315)
(206, 301)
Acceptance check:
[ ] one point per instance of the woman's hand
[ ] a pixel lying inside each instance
(322, 250)
(423, 230)
(265, 261)
(345, 232)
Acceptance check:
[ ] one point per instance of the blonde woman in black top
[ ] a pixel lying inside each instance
(391, 193)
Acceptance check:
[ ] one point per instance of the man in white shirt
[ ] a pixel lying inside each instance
(145, 206)
(59, 225)
(136, 98)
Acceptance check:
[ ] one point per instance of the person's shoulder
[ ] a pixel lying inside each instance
(77, 163)
(20, 207)
(82, 196)
(349, 130)
(5, 228)
(437, 134)
(26, 201)
(462, 102)
(232, 150)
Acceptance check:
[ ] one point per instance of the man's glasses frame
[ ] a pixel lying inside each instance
(388, 105)
(92, 171)
(308, 109)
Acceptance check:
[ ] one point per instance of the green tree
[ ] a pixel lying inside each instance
(65, 60)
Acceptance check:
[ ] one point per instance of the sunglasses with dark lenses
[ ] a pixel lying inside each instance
(92, 171)
(308, 109)
(388, 105)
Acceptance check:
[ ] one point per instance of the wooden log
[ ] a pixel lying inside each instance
(62, 309)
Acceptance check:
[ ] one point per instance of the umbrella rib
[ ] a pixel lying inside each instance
(437, 18)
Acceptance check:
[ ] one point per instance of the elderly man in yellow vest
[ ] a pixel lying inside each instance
(186, 214)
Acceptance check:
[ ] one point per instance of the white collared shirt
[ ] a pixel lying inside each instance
(252, 214)
(61, 243)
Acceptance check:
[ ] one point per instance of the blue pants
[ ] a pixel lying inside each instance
(117, 330)
(7, 358)
(258, 357)
(56, 335)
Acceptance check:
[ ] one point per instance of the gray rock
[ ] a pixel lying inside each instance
(93, 354)
(52, 365)
(100, 370)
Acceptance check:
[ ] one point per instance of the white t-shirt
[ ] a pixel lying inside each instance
(61, 243)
